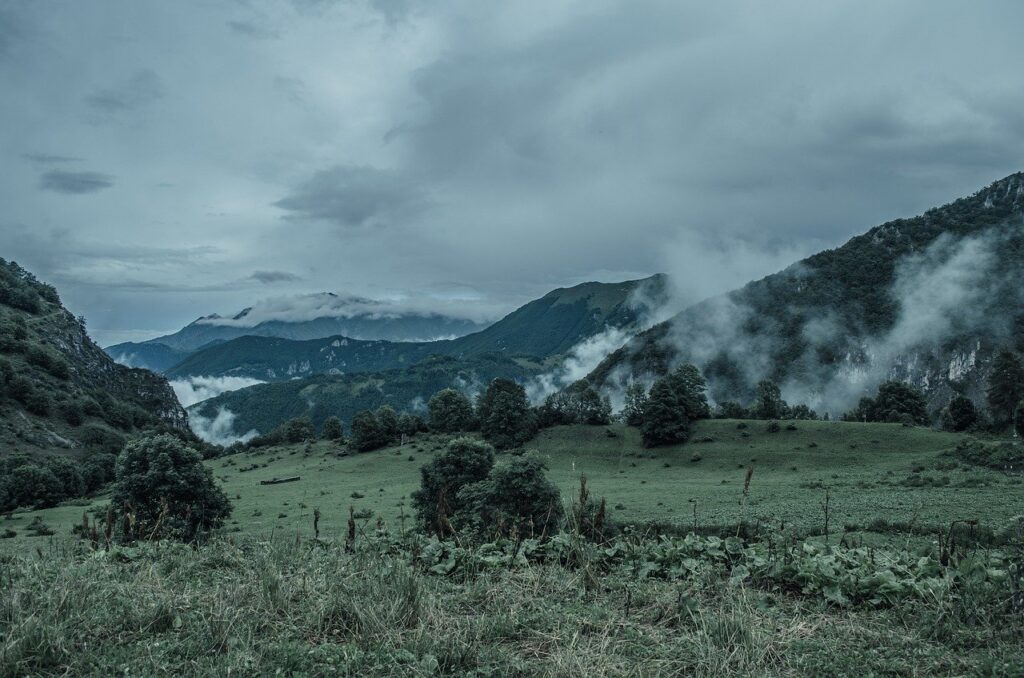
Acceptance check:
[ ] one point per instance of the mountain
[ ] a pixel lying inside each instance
(356, 318)
(58, 389)
(543, 328)
(927, 300)
(261, 408)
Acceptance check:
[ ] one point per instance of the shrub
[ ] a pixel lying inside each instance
(959, 415)
(162, 490)
(98, 437)
(515, 498)
(72, 412)
(367, 433)
(1018, 419)
(465, 461)
(296, 430)
(98, 470)
(332, 429)
(38, 402)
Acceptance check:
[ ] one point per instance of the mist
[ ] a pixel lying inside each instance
(220, 429)
(197, 389)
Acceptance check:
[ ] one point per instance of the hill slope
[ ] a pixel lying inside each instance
(263, 407)
(542, 328)
(927, 300)
(57, 385)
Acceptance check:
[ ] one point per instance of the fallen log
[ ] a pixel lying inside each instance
(278, 481)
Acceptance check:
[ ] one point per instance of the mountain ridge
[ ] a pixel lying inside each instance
(836, 323)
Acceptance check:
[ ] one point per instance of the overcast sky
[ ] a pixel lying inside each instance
(163, 160)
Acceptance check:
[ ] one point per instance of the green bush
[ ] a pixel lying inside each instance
(465, 461)
(100, 438)
(675, 401)
(515, 498)
(163, 490)
(332, 429)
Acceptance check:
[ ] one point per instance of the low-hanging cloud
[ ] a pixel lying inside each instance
(197, 389)
(219, 429)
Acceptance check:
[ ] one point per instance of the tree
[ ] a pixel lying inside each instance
(163, 490)
(367, 433)
(665, 418)
(898, 402)
(464, 461)
(410, 424)
(730, 409)
(769, 403)
(636, 399)
(505, 416)
(959, 415)
(578, 403)
(515, 498)
(1005, 387)
(332, 429)
(387, 419)
(675, 401)
(1018, 420)
(297, 430)
(450, 412)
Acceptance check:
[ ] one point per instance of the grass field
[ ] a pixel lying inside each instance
(865, 467)
(270, 599)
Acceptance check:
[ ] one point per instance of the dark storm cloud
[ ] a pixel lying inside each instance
(75, 183)
(270, 277)
(354, 196)
(141, 89)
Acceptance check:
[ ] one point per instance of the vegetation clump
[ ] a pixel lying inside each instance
(674, 403)
(163, 490)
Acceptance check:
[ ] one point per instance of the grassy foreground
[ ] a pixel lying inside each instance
(311, 608)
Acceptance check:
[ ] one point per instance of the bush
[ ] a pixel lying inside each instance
(99, 438)
(98, 470)
(367, 433)
(332, 429)
(296, 430)
(959, 415)
(48, 360)
(465, 461)
(25, 483)
(1018, 420)
(515, 498)
(72, 412)
(578, 403)
(163, 490)
(38, 402)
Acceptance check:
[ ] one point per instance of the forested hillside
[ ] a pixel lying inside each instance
(58, 389)
(264, 406)
(927, 300)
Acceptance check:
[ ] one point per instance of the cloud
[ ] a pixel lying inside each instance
(354, 196)
(269, 277)
(220, 429)
(301, 308)
(197, 389)
(252, 30)
(141, 89)
(49, 159)
(75, 183)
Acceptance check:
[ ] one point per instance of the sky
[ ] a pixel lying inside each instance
(166, 160)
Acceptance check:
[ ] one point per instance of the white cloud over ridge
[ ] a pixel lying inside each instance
(194, 390)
